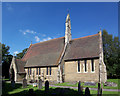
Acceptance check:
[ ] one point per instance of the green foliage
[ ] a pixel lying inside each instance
(111, 48)
(20, 55)
(6, 60)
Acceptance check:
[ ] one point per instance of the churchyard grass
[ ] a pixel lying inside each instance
(19, 90)
(117, 81)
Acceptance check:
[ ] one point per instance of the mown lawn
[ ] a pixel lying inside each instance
(117, 81)
(19, 91)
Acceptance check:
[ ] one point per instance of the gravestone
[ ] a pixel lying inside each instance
(79, 86)
(13, 84)
(46, 85)
(90, 83)
(110, 84)
(24, 83)
(30, 92)
(98, 89)
(40, 84)
(87, 91)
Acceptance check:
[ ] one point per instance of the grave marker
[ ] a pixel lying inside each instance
(46, 85)
(40, 84)
(87, 91)
(24, 83)
(13, 83)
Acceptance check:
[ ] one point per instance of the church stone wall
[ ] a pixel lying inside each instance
(43, 74)
(20, 77)
(72, 74)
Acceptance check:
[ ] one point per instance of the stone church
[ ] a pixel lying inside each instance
(63, 59)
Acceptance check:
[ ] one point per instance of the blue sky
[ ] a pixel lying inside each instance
(38, 22)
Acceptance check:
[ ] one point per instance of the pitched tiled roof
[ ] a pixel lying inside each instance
(44, 53)
(85, 47)
(48, 53)
(20, 65)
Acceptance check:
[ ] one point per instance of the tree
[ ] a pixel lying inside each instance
(20, 55)
(111, 59)
(6, 60)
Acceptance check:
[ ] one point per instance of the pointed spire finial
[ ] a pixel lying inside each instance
(100, 32)
(68, 11)
(13, 54)
(31, 42)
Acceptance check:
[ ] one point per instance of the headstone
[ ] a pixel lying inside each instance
(13, 84)
(24, 83)
(110, 84)
(90, 83)
(79, 86)
(46, 85)
(40, 84)
(30, 92)
(98, 89)
(87, 91)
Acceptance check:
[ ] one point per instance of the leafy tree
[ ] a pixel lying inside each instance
(6, 60)
(20, 55)
(111, 59)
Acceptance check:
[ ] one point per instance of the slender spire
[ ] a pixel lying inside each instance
(68, 29)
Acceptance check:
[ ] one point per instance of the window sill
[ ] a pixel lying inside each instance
(79, 72)
(85, 72)
(48, 75)
(93, 72)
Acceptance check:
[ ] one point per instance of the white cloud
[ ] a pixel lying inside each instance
(27, 31)
(46, 39)
(16, 52)
(37, 38)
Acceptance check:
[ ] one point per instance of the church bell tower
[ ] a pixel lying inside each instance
(68, 29)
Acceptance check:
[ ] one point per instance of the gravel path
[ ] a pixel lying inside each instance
(84, 88)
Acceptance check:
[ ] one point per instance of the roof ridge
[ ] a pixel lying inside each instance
(85, 37)
(48, 40)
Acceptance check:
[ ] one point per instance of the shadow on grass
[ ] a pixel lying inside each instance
(8, 88)
(36, 92)
(52, 91)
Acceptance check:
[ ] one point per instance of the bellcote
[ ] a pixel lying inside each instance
(68, 29)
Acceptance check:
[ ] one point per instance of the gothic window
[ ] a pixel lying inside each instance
(92, 65)
(36, 71)
(78, 66)
(85, 66)
(47, 71)
(50, 70)
(39, 71)
(28, 71)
